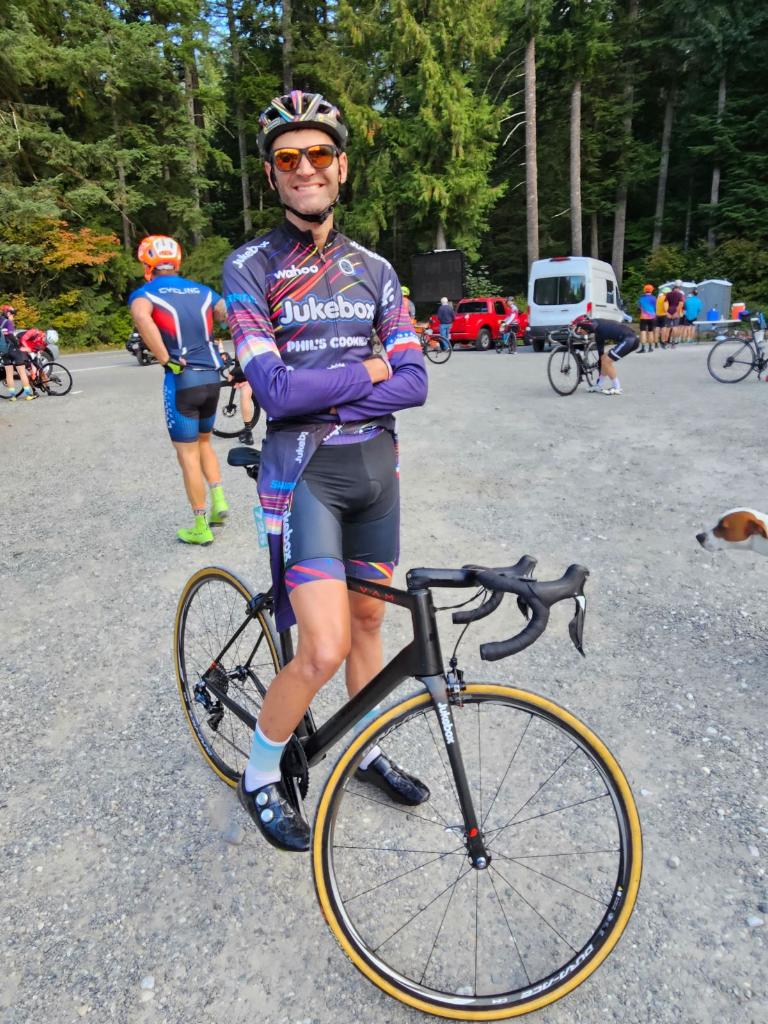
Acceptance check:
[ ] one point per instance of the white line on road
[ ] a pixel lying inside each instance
(89, 369)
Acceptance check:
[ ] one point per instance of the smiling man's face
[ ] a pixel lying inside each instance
(308, 189)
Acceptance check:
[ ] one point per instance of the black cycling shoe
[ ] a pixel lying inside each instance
(275, 816)
(394, 781)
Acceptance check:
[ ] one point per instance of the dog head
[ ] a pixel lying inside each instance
(739, 528)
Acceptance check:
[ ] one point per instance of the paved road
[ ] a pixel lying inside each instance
(113, 866)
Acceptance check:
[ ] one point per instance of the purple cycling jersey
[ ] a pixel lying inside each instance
(302, 321)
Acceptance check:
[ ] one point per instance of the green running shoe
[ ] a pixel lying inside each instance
(199, 534)
(219, 507)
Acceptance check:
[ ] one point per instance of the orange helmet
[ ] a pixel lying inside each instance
(647, 288)
(158, 252)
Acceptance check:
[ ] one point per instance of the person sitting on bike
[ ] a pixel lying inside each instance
(12, 354)
(303, 303)
(624, 342)
(174, 316)
(509, 326)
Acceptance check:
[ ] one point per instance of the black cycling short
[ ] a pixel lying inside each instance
(189, 412)
(624, 341)
(14, 357)
(344, 515)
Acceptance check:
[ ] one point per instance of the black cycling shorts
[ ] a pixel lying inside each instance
(346, 506)
(14, 357)
(189, 412)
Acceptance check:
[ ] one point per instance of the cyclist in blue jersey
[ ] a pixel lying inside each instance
(303, 304)
(174, 317)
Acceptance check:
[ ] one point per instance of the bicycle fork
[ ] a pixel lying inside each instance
(438, 687)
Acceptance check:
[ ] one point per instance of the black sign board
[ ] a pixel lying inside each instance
(437, 274)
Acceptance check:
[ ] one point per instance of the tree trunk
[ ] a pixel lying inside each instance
(242, 148)
(122, 197)
(190, 84)
(576, 243)
(661, 192)
(287, 27)
(594, 242)
(440, 242)
(620, 209)
(688, 213)
(714, 195)
(531, 171)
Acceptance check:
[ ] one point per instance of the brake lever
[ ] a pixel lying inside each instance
(525, 608)
(576, 625)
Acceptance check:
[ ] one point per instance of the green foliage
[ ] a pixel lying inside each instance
(479, 282)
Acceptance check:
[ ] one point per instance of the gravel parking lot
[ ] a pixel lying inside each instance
(134, 890)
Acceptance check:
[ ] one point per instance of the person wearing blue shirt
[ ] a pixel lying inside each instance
(174, 317)
(647, 306)
(692, 314)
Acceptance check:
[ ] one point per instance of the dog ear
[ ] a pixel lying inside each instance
(754, 527)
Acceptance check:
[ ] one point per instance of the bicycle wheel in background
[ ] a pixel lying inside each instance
(731, 360)
(13, 392)
(229, 422)
(562, 831)
(563, 371)
(54, 379)
(213, 606)
(438, 354)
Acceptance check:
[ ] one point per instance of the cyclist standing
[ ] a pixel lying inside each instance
(303, 303)
(11, 353)
(647, 306)
(174, 317)
(624, 341)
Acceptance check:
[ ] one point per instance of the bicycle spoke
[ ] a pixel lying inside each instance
(442, 921)
(395, 878)
(509, 766)
(542, 874)
(509, 929)
(531, 906)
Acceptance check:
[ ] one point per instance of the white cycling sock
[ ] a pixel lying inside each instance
(264, 763)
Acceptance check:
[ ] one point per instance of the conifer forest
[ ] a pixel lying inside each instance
(635, 131)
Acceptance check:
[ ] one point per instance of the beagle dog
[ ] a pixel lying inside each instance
(739, 528)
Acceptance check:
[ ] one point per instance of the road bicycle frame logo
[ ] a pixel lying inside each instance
(445, 721)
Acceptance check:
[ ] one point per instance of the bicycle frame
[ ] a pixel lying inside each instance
(421, 658)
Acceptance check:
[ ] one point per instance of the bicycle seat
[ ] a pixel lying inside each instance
(246, 457)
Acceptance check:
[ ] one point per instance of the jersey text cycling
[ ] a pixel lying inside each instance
(183, 313)
(303, 322)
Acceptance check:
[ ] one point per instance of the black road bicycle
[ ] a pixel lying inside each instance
(735, 355)
(45, 378)
(516, 879)
(229, 420)
(575, 359)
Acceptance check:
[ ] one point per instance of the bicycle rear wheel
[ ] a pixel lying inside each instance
(207, 648)
(731, 360)
(229, 422)
(563, 371)
(54, 379)
(560, 825)
(438, 354)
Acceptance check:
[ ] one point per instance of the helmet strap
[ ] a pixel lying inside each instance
(313, 218)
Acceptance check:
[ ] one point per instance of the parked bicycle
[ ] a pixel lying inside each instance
(516, 879)
(575, 359)
(432, 347)
(507, 342)
(230, 421)
(735, 354)
(45, 378)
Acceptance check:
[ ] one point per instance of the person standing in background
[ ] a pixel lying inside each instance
(445, 317)
(647, 306)
(692, 314)
(676, 302)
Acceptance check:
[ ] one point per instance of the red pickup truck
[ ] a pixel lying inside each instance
(478, 321)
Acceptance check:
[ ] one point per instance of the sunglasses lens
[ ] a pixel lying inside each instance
(320, 156)
(286, 159)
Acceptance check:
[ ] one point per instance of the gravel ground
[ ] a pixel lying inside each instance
(122, 899)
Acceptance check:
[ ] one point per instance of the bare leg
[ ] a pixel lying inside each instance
(246, 403)
(209, 461)
(323, 618)
(607, 366)
(188, 454)
(366, 655)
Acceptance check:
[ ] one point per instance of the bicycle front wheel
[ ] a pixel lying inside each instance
(229, 421)
(731, 360)
(563, 371)
(54, 379)
(562, 831)
(438, 354)
(219, 641)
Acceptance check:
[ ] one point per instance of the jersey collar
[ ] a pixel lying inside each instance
(305, 237)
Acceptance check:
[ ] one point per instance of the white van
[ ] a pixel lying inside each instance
(564, 287)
